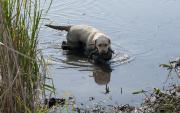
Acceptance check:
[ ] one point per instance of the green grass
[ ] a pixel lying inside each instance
(20, 64)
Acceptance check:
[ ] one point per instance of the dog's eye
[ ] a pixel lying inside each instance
(105, 44)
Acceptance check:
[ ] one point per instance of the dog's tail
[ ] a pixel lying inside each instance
(66, 28)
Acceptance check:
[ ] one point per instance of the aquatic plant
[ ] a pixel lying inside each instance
(166, 100)
(173, 65)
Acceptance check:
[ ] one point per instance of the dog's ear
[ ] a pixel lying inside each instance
(91, 44)
(109, 41)
(95, 42)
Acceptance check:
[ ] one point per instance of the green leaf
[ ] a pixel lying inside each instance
(157, 91)
(165, 65)
(48, 86)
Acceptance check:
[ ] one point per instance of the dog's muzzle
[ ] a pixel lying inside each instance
(103, 52)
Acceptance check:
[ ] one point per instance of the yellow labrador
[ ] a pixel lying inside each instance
(89, 36)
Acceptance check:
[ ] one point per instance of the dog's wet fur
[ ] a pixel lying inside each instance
(86, 45)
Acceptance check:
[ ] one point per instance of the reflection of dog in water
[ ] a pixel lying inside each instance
(95, 44)
(102, 77)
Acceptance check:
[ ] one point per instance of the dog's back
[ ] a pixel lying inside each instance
(86, 38)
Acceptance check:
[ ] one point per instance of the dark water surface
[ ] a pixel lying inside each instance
(144, 33)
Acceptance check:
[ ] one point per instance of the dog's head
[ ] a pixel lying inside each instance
(102, 43)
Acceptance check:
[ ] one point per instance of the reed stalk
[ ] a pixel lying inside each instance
(20, 64)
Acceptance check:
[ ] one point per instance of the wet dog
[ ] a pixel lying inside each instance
(88, 38)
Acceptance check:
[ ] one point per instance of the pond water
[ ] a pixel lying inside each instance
(144, 34)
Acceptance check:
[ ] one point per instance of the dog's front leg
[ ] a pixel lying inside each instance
(87, 52)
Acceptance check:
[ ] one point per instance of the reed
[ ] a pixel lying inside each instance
(20, 64)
